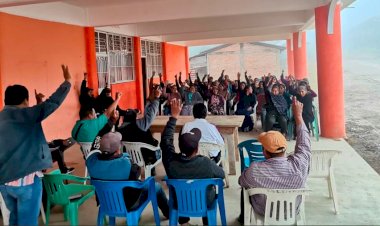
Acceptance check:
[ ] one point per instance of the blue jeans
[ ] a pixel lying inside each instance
(23, 202)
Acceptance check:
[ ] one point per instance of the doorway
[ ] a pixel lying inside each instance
(145, 79)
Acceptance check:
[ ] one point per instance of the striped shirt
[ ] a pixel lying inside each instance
(24, 181)
(281, 172)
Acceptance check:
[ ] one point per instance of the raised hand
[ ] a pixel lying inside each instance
(176, 107)
(39, 96)
(153, 74)
(114, 116)
(85, 76)
(297, 110)
(118, 95)
(66, 73)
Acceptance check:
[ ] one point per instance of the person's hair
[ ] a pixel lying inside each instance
(199, 110)
(274, 155)
(247, 88)
(275, 86)
(85, 111)
(15, 95)
(130, 115)
(282, 85)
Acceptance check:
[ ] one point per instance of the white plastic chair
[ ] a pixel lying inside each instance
(204, 149)
(322, 167)
(85, 147)
(4, 211)
(254, 115)
(134, 150)
(280, 208)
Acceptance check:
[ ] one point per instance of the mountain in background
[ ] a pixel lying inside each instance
(363, 40)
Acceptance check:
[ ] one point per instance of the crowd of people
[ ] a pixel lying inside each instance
(104, 124)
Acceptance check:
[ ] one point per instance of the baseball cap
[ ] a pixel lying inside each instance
(189, 141)
(110, 143)
(130, 115)
(273, 141)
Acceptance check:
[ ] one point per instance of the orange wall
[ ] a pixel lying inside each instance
(31, 52)
(175, 60)
(129, 90)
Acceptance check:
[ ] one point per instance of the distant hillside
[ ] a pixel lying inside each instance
(363, 41)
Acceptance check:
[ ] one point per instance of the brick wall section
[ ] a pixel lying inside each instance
(257, 60)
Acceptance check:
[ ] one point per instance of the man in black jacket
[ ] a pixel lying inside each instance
(187, 164)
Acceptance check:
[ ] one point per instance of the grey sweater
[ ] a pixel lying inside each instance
(23, 145)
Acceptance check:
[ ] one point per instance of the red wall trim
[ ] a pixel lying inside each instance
(138, 72)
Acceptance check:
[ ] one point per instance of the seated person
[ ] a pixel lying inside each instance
(279, 171)
(245, 106)
(57, 147)
(216, 102)
(276, 108)
(136, 129)
(174, 94)
(210, 133)
(187, 164)
(190, 97)
(86, 129)
(109, 163)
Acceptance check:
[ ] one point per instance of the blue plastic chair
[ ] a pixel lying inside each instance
(111, 200)
(191, 199)
(254, 151)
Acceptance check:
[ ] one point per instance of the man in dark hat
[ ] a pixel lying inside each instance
(86, 97)
(187, 164)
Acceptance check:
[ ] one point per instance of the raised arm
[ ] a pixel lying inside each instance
(83, 87)
(204, 78)
(302, 152)
(167, 138)
(41, 111)
(221, 77)
(150, 111)
(246, 78)
(113, 106)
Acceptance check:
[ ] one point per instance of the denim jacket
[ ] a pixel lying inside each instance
(23, 147)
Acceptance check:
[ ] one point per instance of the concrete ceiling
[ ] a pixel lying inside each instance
(184, 22)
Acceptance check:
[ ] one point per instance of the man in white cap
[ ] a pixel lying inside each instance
(279, 171)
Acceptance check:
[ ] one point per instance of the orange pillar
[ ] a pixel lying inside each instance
(164, 72)
(91, 67)
(330, 74)
(290, 54)
(138, 72)
(300, 57)
(187, 61)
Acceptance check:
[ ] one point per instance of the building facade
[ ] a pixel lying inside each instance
(257, 58)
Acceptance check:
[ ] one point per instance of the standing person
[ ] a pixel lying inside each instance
(245, 107)
(187, 164)
(190, 97)
(24, 151)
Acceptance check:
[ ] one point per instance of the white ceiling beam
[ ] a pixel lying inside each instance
(218, 24)
(156, 10)
(229, 33)
(233, 40)
(11, 3)
(54, 11)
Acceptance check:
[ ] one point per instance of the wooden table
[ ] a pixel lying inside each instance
(227, 125)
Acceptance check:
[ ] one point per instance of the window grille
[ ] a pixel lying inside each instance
(114, 58)
(153, 53)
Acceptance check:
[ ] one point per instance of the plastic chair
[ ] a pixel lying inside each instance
(4, 211)
(204, 149)
(85, 147)
(134, 150)
(191, 198)
(70, 196)
(111, 200)
(254, 114)
(322, 167)
(254, 152)
(280, 207)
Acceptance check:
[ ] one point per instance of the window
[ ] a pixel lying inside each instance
(153, 53)
(114, 58)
